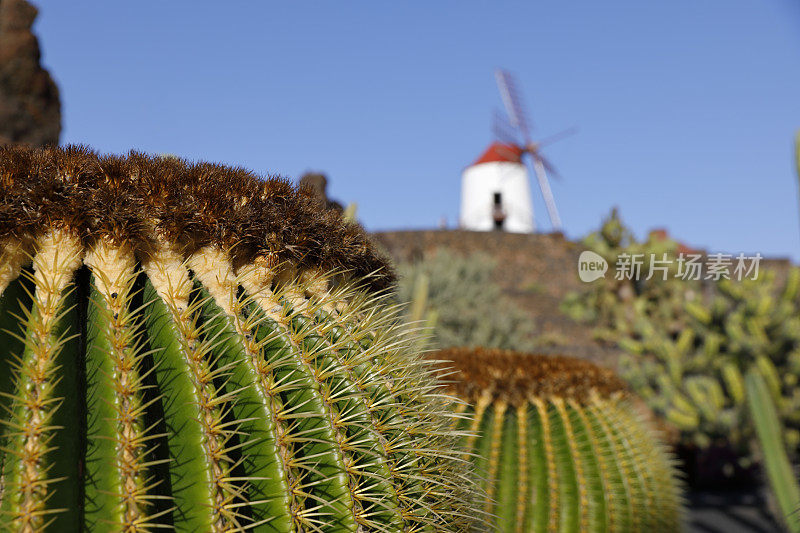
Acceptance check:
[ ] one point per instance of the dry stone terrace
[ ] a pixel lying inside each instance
(536, 270)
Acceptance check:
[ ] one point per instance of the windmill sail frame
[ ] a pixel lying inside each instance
(519, 119)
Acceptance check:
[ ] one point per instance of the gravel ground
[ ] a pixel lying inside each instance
(741, 511)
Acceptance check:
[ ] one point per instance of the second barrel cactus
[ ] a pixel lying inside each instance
(190, 347)
(560, 446)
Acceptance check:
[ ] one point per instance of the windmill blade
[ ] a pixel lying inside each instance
(513, 103)
(548, 166)
(502, 130)
(547, 194)
(558, 136)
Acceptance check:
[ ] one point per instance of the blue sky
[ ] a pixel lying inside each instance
(686, 109)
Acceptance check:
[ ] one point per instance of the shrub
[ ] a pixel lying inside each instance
(469, 307)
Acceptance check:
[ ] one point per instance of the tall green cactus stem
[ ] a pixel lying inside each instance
(797, 157)
(768, 429)
(190, 347)
(559, 445)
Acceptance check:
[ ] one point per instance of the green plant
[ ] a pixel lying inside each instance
(797, 155)
(688, 345)
(559, 446)
(418, 311)
(773, 451)
(695, 378)
(770, 431)
(188, 346)
(618, 306)
(350, 213)
(467, 306)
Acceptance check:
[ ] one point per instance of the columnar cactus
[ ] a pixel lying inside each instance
(560, 446)
(189, 346)
(781, 475)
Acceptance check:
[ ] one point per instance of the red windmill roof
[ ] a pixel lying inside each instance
(498, 151)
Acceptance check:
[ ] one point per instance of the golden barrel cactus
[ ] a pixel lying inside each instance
(560, 446)
(188, 346)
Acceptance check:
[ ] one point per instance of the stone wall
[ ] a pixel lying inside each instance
(536, 270)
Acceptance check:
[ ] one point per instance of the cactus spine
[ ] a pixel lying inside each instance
(559, 447)
(187, 346)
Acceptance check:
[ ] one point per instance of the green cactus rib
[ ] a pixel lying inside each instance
(279, 416)
(39, 453)
(541, 473)
(313, 435)
(162, 385)
(193, 464)
(575, 459)
(116, 451)
(656, 464)
(363, 454)
(621, 515)
(507, 472)
(243, 340)
(601, 489)
(559, 448)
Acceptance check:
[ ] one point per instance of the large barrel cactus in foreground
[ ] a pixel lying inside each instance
(560, 446)
(189, 346)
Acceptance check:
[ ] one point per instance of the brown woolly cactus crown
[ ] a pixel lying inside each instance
(142, 200)
(186, 346)
(516, 377)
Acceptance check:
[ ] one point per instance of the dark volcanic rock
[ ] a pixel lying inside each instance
(30, 110)
(318, 183)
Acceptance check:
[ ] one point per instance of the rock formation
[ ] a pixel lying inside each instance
(318, 183)
(29, 103)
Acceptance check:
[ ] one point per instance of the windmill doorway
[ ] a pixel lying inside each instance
(498, 212)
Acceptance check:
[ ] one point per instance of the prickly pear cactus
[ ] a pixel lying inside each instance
(688, 345)
(695, 379)
(621, 307)
(189, 346)
(560, 446)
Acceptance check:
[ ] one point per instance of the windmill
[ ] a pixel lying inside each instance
(516, 124)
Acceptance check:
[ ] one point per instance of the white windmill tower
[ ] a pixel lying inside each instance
(495, 189)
